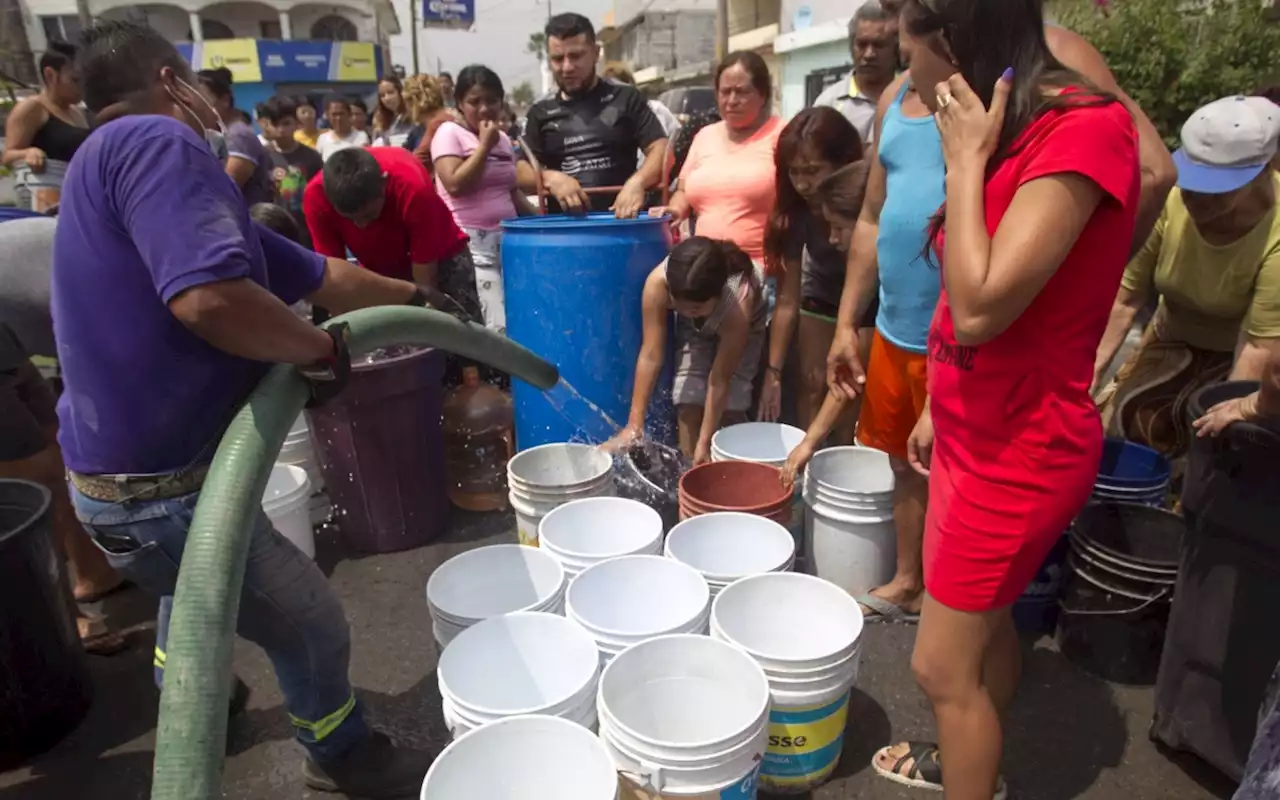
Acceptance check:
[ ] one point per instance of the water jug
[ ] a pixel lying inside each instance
(478, 424)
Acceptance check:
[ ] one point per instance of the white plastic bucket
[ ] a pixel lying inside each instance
(490, 581)
(522, 663)
(287, 503)
(524, 758)
(630, 599)
(543, 478)
(810, 660)
(765, 442)
(849, 530)
(581, 533)
(299, 450)
(685, 716)
(725, 546)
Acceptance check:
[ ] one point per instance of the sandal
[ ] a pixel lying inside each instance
(105, 644)
(94, 597)
(925, 771)
(877, 609)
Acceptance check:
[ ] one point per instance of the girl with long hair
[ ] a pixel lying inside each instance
(391, 122)
(810, 269)
(717, 294)
(838, 200)
(1042, 189)
(475, 167)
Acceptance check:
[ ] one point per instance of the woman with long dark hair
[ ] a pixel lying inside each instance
(391, 122)
(43, 132)
(475, 167)
(717, 294)
(799, 252)
(1042, 187)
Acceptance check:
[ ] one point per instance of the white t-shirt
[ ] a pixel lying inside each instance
(330, 142)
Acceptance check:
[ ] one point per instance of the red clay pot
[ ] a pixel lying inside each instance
(742, 486)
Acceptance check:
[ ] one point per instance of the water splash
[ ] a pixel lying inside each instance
(591, 424)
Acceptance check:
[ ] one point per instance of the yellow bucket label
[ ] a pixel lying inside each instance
(804, 742)
(528, 535)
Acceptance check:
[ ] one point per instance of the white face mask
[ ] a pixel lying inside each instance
(216, 139)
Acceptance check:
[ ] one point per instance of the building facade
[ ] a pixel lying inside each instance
(292, 46)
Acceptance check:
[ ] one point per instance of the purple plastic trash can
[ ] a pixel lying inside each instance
(382, 453)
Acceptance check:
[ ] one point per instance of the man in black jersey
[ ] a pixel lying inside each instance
(587, 134)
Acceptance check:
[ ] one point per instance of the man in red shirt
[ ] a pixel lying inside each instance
(380, 205)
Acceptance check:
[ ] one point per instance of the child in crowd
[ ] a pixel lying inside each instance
(717, 293)
(342, 132)
(840, 197)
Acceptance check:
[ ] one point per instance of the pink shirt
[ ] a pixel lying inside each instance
(731, 185)
(489, 200)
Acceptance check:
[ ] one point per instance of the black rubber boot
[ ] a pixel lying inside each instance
(374, 770)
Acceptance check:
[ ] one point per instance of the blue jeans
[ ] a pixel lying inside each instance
(287, 608)
(1261, 779)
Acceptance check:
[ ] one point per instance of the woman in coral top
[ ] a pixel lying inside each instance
(727, 181)
(1041, 196)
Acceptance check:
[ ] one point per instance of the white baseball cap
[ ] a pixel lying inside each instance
(1227, 143)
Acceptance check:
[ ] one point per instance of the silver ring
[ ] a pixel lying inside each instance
(944, 100)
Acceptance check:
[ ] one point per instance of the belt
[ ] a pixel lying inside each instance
(123, 488)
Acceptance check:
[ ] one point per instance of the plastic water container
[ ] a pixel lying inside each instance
(582, 533)
(544, 478)
(634, 598)
(744, 486)
(685, 716)
(849, 531)
(1132, 473)
(287, 502)
(726, 546)
(810, 660)
(764, 442)
(491, 581)
(524, 758)
(300, 451)
(515, 664)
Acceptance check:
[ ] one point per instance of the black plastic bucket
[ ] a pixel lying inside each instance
(650, 473)
(44, 681)
(1123, 563)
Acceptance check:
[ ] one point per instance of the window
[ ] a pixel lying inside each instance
(213, 29)
(65, 28)
(333, 28)
(270, 29)
(818, 80)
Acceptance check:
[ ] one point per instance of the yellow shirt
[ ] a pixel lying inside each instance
(1210, 293)
(300, 136)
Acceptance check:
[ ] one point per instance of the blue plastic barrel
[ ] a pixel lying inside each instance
(573, 289)
(7, 213)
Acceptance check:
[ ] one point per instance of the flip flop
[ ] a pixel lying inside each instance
(877, 609)
(925, 771)
(105, 644)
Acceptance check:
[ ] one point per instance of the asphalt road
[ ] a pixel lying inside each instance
(1069, 736)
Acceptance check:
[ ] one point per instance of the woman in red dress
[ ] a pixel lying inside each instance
(1041, 195)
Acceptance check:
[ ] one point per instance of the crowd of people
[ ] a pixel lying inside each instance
(941, 258)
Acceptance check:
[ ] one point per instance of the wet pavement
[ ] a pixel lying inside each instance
(1069, 736)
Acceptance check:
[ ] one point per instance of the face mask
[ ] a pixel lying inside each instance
(216, 139)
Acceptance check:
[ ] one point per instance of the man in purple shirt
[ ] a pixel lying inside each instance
(169, 305)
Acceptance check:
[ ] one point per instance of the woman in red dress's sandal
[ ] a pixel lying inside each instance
(1041, 196)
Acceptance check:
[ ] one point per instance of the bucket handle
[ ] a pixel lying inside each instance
(1080, 612)
(650, 778)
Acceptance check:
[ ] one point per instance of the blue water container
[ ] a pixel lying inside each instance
(7, 213)
(573, 290)
(1132, 473)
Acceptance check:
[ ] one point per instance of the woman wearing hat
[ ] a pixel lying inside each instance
(1213, 262)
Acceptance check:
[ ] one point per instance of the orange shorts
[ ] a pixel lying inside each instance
(894, 399)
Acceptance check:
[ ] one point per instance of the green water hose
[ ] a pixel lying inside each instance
(191, 733)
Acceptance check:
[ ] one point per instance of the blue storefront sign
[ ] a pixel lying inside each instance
(302, 61)
(448, 13)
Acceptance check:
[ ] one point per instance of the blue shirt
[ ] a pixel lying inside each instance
(915, 187)
(147, 213)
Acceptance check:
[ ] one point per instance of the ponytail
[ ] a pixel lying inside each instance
(698, 268)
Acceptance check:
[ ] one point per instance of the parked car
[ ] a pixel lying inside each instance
(685, 101)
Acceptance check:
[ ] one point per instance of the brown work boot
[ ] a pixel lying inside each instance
(375, 770)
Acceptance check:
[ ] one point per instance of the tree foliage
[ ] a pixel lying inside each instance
(1172, 57)
(522, 95)
(537, 45)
